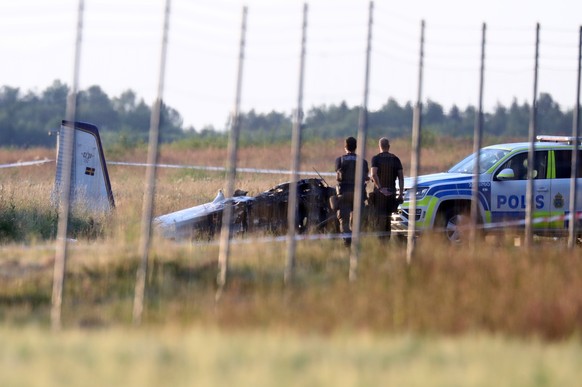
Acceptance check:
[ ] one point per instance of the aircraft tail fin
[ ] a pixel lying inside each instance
(219, 197)
(90, 185)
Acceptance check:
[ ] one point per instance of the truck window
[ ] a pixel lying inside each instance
(487, 158)
(564, 163)
(518, 163)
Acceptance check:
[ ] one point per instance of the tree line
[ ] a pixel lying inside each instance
(26, 118)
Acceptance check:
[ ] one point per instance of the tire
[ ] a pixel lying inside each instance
(453, 225)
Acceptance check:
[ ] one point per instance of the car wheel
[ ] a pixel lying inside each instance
(454, 225)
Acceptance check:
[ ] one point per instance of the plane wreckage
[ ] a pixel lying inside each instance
(265, 212)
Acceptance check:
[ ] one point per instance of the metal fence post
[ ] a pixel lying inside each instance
(477, 135)
(296, 161)
(359, 191)
(529, 209)
(150, 183)
(224, 252)
(65, 189)
(573, 225)
(415, 157)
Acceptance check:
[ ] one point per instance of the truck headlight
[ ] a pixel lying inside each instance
(420, 193)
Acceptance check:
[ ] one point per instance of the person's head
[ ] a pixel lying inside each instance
(384, 144)
(351, 144)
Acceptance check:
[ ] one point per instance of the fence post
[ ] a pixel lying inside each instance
(233, 136)
(477, 135)
(573, 226)
(296, 161)
(529, 209)
(359, 191)
(415, 157)
(64, 193)
(150, 183)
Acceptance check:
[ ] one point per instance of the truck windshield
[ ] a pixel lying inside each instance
(488, 158)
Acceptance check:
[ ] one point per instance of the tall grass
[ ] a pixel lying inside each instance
(500, 289)
(444, 291)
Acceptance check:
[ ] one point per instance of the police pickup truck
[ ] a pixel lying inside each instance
(444, 199)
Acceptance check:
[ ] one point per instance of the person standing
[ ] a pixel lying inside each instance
(345, 167)
(386, 168)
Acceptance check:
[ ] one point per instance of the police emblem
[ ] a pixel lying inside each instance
(558, 200)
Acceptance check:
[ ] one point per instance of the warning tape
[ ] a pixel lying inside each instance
(222, 169)
(505, 224)
(522, 222)
(179, 166)
(25, 163)
(283, 238)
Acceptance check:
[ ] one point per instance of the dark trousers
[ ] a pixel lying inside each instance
(384, 206)
(344, 214)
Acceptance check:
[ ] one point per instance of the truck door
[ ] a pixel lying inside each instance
(560, 187)
(508, 194)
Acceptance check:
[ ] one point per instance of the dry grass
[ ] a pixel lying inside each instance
(500, 289)
(501, 316)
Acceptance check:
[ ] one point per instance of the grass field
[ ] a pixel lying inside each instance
(496, 316)
(207, 357)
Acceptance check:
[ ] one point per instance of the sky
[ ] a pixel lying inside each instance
(121, 50)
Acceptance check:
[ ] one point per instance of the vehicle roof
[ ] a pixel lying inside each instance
(514, 146)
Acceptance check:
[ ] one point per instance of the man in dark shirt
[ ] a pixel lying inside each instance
(345, 167)
(386, 168)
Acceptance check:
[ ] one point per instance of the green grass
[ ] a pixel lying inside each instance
(209, 357)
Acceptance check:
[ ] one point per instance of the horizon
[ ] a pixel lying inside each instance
(288, 114)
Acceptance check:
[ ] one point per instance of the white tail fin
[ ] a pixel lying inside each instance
(219, 197)
(90, 186)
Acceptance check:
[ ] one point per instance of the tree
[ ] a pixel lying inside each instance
(455, 120)
(333, 121)
(550, 119)
(390, 120)
(433, 114)
(26, 117)
(518, 120)
(125, 102)
(8, 107)
(497, 122)
(94, 106)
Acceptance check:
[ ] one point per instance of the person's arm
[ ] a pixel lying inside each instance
(338, 165)
(401, 184)
(375, 178)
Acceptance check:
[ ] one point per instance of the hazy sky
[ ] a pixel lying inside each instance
(122, 42)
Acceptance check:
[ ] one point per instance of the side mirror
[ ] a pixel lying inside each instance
(506, 174)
